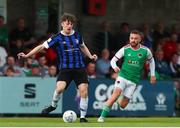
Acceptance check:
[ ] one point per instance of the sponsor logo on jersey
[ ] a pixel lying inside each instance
(132, 62)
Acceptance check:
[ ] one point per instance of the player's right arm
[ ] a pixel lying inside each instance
(48, 43)
(117, 57)
(32, 52)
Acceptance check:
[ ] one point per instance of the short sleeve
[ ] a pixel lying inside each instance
(80, 38)
(51, 42)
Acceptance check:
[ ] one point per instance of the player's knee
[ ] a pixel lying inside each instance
(112, 99)
(83, 92)
(110, 102)
(60, 86)
(59, 90)
(123, 104)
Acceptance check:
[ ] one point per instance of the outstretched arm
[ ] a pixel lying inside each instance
(86, 51)
(32, 52)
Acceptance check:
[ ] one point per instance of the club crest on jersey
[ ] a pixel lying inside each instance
(129, 54)
(77, 41)
(64, 42)
(140, 55)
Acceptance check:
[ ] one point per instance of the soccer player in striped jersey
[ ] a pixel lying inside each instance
(70, 47)
(135, 56)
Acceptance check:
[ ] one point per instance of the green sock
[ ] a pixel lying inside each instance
(105, 111)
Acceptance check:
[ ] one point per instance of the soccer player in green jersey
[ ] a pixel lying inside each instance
(135, 56)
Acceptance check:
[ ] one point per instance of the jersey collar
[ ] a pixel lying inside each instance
(135, 49)
(72, 32)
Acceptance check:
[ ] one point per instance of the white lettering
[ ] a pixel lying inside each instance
(103, 92)
(100, 92)
(137, 97)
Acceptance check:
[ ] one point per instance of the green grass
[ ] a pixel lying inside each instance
(110, 122)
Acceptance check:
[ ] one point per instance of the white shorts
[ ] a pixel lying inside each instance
(128, 87)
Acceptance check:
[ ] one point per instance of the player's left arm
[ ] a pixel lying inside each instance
(151, 67)
(86, 51)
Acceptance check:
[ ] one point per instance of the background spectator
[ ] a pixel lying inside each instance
(103, 64)
(35, 71)
(91, 70)
(52, 71)
(122, 36)
(13, 67)
(104, 38)
(18, 47)
(3, 34)
(21, 32)
(26, 65)
(159, 34)
(10, 72)
(174, 66)
(147, 36)
(42, 66)
(162, 67)
(170, 46)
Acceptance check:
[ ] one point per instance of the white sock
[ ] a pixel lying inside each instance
(55, 99)
(83, 107)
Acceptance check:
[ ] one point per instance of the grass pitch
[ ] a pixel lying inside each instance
(109, 122)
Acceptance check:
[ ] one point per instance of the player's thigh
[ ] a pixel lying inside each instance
(119, 86)
(116, 93)
(120, 83)
(129, 90)
(80, 77)
(64, 78)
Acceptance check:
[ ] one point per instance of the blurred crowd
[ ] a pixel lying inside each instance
(164, 44)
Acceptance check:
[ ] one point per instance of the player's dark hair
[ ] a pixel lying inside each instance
(136, 32)
(69, 17)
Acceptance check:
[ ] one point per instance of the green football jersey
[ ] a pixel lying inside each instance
(133, 63)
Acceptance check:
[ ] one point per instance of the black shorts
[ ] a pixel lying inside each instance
(78, 75)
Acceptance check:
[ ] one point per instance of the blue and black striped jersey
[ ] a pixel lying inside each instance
(68, 50)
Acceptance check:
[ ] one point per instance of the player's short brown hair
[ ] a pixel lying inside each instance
(135, 31)
(69, 17)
